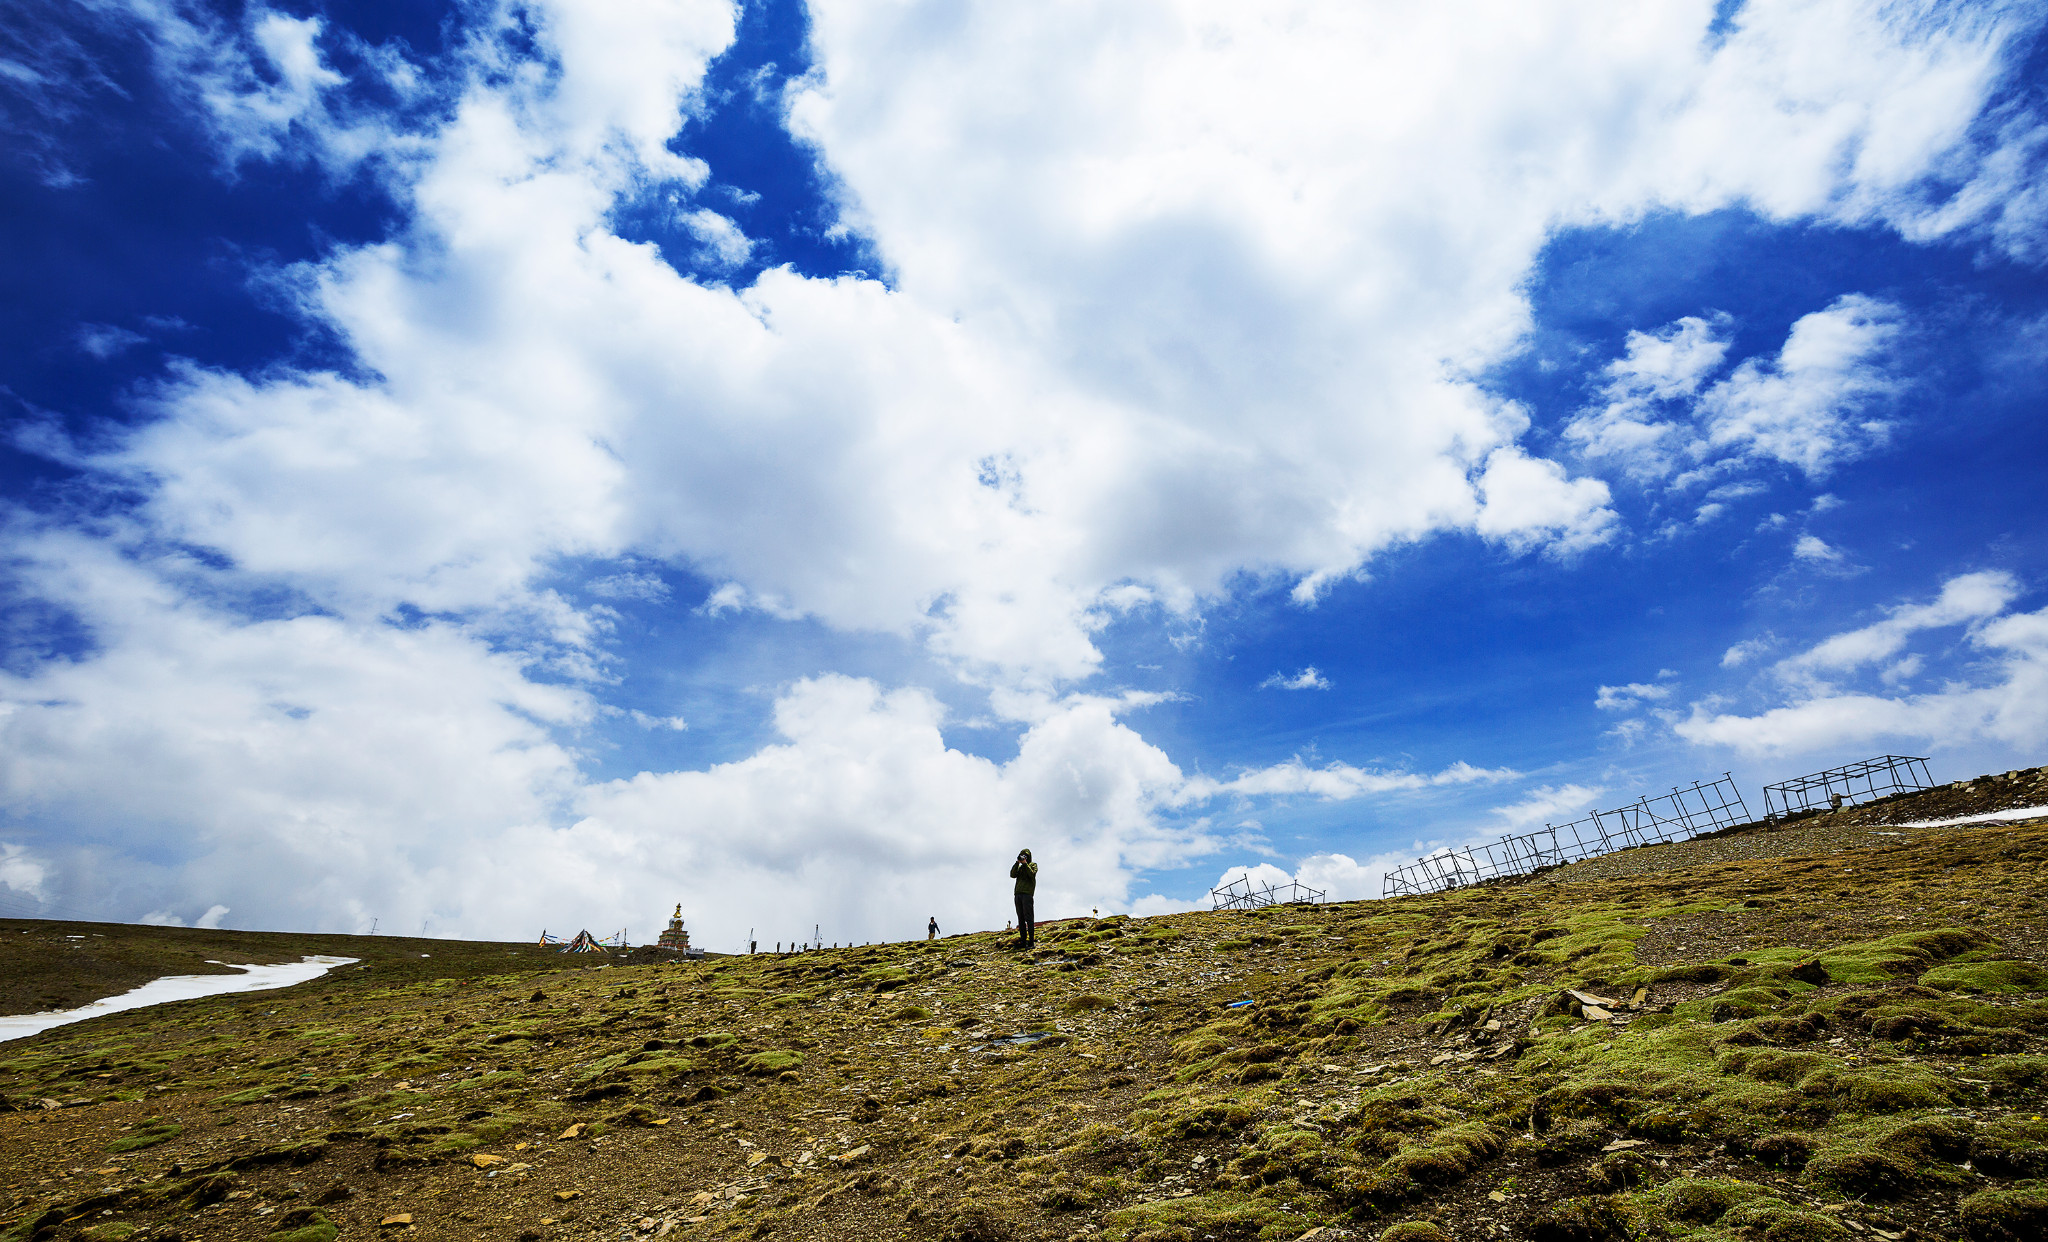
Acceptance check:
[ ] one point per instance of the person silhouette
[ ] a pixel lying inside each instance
(1025, 872)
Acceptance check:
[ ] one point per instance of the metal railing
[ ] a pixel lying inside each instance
(1676, 816)
(1834, 788)
(1241, 894)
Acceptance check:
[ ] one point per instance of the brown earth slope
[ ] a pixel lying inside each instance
(1845, 1043)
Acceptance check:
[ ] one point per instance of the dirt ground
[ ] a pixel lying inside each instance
(1844, 1037)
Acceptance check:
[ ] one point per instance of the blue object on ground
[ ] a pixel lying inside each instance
(1237, 1004)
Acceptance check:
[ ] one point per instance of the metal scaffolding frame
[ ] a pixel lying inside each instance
(1240, 894)
(1682, 813)
(1847, 785)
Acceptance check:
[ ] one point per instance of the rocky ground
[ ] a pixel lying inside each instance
(1844, 1038)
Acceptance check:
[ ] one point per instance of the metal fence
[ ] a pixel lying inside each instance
(1847, 785)
(1676, 816)
(1242, 894)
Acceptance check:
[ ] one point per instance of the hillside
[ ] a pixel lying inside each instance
(1826, 1033)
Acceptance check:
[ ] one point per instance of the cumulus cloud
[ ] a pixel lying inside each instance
(1812, 405)
(1815, 404)
(1029, 287)
(1307, 679)
(1174, 293)
(2002, 698)
(1657, 369)
(165, 918)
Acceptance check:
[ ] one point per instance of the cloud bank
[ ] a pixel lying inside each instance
(1831, 694)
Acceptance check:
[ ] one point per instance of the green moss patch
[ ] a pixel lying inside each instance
(148, 1133)
(1987, 977)
(1216, 1214)
(774, 1061)
(2017, 1213)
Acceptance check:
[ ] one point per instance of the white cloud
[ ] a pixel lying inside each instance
(1812, 406)
(1671, 362)
(1153, 904)
(822, 460)
(1546, 804)
(1747, 650)
(1528, 501)
(1964, 599)
(647, 721)
(21, 871)
(1814, 548)
(1307, 679)
(1629, 697)
(1657, 368)
(413, 772)
(2004, 699)
(724, 245)
(164, 918)
(1334, 781)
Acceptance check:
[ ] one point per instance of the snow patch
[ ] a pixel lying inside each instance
(175, 988)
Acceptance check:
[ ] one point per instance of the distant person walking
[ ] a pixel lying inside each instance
(931, 929)
(1025, 872)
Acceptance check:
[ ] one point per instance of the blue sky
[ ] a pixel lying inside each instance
(524, 465)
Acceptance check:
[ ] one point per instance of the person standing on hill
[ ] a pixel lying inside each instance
(1025, 872)
(931, 929)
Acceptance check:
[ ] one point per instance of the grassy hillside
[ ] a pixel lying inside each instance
(1828, 1034)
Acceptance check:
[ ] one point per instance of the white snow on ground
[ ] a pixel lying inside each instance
(175, 988)
(2018, 812)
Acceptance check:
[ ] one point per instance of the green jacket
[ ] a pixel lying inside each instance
(1026, 875)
